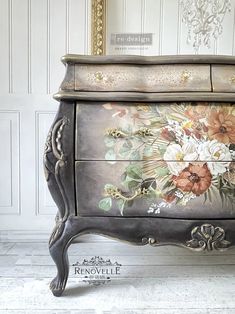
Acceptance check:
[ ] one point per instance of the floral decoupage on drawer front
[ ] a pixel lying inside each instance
(187, 154)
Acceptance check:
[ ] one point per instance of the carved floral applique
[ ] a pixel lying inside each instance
(186, 150)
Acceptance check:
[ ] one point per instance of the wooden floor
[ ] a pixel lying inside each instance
(152, 280)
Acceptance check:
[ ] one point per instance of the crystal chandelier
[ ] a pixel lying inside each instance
(204, 19)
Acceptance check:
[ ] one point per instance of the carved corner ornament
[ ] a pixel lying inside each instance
(98, 19)
(54, 161)
(54, 145)
(208, 237)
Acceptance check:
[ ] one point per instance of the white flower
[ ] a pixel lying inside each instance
(178, 157)
(217, 154)
(179, 194)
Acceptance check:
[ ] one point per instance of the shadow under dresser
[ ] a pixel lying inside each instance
(143, 150)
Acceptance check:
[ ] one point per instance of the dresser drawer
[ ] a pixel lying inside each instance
(143, 78)
(149, 188)
(168, 160)
(167, 131)
(223, 78)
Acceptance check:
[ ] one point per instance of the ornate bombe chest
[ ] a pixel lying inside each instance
(143, 149)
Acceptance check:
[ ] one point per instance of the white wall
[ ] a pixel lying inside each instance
(34, 34)
(163, 18)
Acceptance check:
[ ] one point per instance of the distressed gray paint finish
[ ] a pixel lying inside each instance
(207, 231)
(134, 59)
(223, 78)
(140, 231)
(151, 78)
(59, 162)
(143, 74)
(141, 97)
(92, 176)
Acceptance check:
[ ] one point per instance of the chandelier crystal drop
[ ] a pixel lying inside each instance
(204, 19)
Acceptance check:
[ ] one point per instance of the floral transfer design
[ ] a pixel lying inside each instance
(194, 178)
(186, 150)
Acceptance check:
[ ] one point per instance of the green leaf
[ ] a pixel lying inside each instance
(209, 195)
(121, 205)
(129, 179)
(110, 155)
(168, 184)
(161, 172)
(148, 151)
(222, 197)
(149, 182)
(162, 149)
(105, 203)
(125, 149)
(134, 171)
(135, 155)
(127, 145)
(124, 155)
(205, 198)
(132, 184)
(109, 141)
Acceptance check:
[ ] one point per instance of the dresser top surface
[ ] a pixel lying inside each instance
(134, 59)
(148, 78)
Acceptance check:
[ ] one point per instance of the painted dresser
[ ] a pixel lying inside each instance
(143, 149)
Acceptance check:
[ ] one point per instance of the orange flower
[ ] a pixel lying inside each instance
(194, 178)
(120, 111)
(230, 174)
(196, 112)
(221, 126)
(169, 197)
(168, 135)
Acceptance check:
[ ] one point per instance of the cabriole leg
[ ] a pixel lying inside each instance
(58, 251)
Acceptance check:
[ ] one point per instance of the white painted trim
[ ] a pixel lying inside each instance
(48, 49)
(10, 46)
(29, 48)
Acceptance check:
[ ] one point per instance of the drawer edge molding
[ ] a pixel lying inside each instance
(135, 59)
(141, 97)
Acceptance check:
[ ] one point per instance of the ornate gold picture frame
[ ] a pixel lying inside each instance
(98, 27)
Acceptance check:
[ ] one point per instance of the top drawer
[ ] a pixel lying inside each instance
(143, 78)
(223, 78)
(155, 131)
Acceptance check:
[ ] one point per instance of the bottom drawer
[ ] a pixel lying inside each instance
(148, 188)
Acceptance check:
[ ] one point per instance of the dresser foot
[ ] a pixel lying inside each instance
(60, 258)
(57, 286)
(58, 250)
